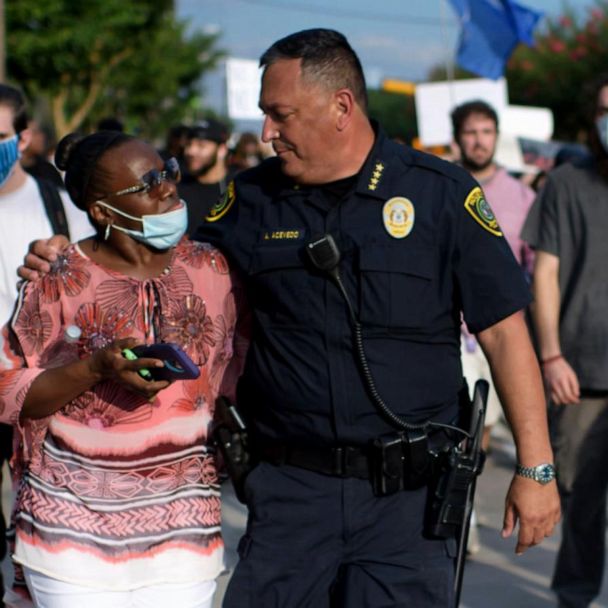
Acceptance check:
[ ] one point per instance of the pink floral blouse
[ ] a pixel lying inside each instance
(115, 492)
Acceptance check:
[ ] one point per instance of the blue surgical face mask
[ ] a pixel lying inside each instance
(9, 155)
(160, 231)
(601, 124)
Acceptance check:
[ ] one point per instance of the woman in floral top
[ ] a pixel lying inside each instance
(118, 498)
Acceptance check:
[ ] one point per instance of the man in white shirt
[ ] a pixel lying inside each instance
(24, 218)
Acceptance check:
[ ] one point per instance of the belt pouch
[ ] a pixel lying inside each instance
(387, 464)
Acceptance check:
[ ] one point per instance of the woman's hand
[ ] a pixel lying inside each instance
(41, 254)
(110, 364)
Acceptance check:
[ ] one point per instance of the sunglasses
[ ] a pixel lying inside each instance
(153, 179)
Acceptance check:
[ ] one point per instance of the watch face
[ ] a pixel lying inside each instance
(545, 473)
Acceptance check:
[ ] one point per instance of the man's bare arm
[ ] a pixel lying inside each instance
(518, 382)
(561, 379)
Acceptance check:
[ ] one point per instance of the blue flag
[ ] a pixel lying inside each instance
(491, 29)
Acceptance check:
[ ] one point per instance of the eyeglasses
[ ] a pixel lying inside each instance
(153, 179)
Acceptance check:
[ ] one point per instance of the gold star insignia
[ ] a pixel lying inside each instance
(376, 175)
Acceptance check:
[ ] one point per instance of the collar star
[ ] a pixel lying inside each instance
(376, 176)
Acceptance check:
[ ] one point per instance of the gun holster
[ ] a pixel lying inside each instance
(455, 469)
(449, 492)
(399, 461)
(230, 436)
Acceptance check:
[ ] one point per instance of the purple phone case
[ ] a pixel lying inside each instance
(178, 365)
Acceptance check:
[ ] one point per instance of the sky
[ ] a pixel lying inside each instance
(400, 39)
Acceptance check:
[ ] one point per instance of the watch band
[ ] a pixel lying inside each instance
(542, 473)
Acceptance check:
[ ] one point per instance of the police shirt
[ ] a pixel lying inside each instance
(419, 247)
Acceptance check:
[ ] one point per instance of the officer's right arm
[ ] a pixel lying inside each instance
(40, 256)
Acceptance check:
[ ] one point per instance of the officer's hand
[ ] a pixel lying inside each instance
(110, 364)
(562, 383)
(40, 256)
(536, 507)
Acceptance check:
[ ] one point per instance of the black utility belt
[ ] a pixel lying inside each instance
(392, 462)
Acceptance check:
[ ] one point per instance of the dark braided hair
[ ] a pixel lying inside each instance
(79, 157)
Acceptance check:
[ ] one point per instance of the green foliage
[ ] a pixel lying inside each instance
(439, 73)
(395, 112)
(94, 58)
(569, 53)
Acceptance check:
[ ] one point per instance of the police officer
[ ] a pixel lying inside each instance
(418, 246)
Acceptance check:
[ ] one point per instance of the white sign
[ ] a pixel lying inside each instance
(243, 81)
(527, 121)
(435, 101)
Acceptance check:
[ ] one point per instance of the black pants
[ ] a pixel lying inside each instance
(324, 542)
(579, 436)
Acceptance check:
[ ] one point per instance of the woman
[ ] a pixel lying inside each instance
(118, 499)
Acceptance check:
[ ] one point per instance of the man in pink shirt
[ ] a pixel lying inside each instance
(475, 130)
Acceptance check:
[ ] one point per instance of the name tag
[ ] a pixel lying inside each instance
(294, 234)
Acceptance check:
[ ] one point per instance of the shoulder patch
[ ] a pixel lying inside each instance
(478, 207)
(223, 205)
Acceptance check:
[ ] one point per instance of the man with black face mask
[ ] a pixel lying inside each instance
(207, 178)
(567, 226)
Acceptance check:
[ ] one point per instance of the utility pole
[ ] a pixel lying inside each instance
(2, 44)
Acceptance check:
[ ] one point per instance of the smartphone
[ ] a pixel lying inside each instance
(178, 365)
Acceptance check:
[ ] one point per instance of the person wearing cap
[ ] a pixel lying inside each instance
(207, 173)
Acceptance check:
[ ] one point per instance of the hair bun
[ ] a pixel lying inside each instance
(65, 148)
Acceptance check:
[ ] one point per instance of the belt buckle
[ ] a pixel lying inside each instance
(340, 461)
(343, 460)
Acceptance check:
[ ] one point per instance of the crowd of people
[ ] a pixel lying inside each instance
(339, 293)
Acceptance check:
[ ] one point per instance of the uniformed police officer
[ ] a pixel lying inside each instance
(418, 246)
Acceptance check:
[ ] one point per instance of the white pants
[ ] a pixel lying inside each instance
(475, 366)
(48, 592)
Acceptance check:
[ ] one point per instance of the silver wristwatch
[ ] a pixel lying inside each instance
(543, 473)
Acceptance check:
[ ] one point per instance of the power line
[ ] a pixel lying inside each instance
(350, 14)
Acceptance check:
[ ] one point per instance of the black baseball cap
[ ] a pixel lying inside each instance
(210, 129)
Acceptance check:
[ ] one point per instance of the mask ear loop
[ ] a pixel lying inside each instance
(106, 234)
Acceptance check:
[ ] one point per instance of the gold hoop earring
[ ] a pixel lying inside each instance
(106, 234)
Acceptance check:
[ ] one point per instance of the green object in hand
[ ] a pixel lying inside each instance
(127, 353)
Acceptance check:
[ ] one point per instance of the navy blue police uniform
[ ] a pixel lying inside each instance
(419, 249)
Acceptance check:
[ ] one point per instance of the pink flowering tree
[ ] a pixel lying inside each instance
(571, 50)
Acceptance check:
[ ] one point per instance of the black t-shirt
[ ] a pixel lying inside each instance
(569, 220)
(199, 198)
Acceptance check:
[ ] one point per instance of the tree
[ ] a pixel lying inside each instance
(439, 73)
(569, 52)
(395, 112)
(103, 57)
